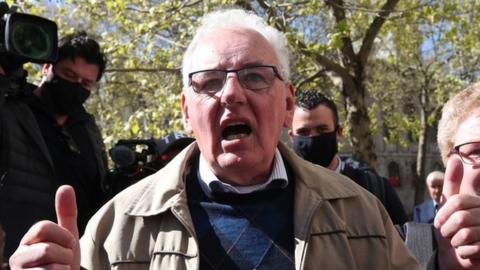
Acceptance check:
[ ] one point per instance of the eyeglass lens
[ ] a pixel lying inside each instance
(470, 152)
(252, 78)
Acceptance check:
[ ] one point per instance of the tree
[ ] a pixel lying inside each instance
(345, 52)
(334, 44)
(422, 59)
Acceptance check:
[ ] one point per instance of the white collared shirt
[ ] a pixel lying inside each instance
(210, 182)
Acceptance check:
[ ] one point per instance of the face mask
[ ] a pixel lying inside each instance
(317, 149)
(62, 96)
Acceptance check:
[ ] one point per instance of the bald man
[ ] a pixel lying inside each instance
(425, 212)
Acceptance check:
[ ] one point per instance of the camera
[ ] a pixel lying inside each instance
(28, 38)
(24, 38)
(136, 159)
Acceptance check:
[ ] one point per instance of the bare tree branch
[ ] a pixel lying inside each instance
(373, 30)
(325, 62)
(309, 79)
(151, 70)
(339, 14)
(280, 24)
(172, 42)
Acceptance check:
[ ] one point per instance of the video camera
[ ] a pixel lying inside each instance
(136, 159)
(24, 38)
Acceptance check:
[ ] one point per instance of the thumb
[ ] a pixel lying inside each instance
(453, 178)
(66, 208)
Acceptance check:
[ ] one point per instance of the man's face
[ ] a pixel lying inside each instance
(435, 185)
(76, 70)
(469, 175)
(313, 122)
(237, 129)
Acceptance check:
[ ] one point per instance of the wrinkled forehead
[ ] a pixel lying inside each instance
(231, 48)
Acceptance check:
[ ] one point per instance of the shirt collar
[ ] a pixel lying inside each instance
(210, 183)
(340, 165)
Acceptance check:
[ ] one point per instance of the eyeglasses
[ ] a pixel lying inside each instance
(254, 78)
(469, 152)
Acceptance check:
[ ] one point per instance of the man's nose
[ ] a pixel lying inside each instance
(232, 92)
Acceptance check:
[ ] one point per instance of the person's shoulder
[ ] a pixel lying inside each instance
(357, 165)
(326, 183)
(424, 204)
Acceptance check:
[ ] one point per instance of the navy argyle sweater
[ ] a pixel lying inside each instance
(243, 231)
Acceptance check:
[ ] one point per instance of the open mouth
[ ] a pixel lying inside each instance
(236, 131)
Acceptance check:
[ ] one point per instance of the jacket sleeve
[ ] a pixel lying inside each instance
(93, 255)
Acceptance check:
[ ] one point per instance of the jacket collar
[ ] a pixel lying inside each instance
(323, 182)
(166, 188)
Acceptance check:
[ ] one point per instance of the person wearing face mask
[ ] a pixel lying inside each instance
(315, 133)
(47, 139)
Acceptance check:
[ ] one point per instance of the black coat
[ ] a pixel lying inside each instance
(379, 186)
(27, 185)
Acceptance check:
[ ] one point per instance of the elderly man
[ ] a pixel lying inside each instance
(237, 198)
(425, 212)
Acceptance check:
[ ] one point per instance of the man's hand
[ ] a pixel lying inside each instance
(458, 220)
(49, 245)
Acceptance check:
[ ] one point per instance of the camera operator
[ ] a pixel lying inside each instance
(48, 139)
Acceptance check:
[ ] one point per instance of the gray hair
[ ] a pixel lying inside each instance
(243, 19)
(435, 175)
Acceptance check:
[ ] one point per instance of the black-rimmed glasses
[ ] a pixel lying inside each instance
(469, 152)
(211, 81)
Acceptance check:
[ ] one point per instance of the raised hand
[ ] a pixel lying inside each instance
(50, 245)
(458, 220)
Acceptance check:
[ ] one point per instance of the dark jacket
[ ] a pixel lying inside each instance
(27, 185)
(366, 177)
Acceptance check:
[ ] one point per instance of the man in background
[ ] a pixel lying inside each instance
(425, 212)
(315, 134)
(48, 139)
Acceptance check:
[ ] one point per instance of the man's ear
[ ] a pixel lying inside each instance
(339, 133)
(46, 68)
(290, 105)
(185, 114)
(290, 134)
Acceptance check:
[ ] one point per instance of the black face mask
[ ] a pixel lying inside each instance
(317, 149)
(62, 96)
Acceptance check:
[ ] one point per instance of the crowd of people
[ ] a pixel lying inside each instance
(237, 197)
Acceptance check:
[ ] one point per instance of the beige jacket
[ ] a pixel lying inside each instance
(338, 224)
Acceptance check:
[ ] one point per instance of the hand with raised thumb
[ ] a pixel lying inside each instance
(50, 245)
(457, 223)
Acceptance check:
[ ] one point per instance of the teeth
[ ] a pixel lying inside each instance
(236, 136)
(235, 123)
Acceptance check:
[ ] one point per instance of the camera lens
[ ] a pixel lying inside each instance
(30, 40)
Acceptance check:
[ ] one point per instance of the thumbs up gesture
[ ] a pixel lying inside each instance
(458, 220)
(50, 245)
